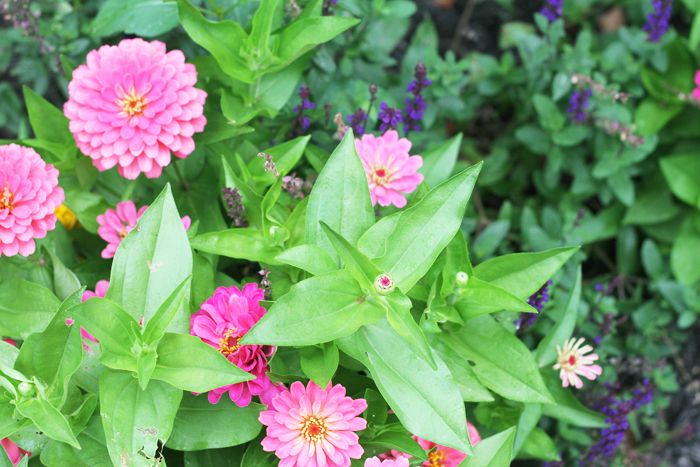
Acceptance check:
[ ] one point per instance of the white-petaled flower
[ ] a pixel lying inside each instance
(573, 361)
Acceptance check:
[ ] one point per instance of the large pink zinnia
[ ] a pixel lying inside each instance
(221, 322)
(29, 195)
(132, 104)
(314, 427)
(390, 170)
(114, 225)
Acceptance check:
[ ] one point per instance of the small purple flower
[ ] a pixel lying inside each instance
(537, 300)
(301, 122)
(389, 116)
(657, 22)
(413, 112)
(234, 204)
(356, 121)
(552, 9)
(578, 104)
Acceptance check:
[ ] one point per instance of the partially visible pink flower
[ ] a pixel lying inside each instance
(10, 341)
(100, 291)
(400, 461)
(132, 104)
(314, 427)
(389, 168)
(274, 390)
(114, 225)
(221, 322)
(29, 195)
(14, 452)
(573, 361)
(696, 91)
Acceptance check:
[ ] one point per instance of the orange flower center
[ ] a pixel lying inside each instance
(132, 104)
(122, 234)
(435, 457)
(229, 344)
(6, 199)
(314, 428)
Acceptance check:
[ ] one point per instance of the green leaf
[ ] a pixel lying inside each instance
(227, 457)
(522, 274)
(93, 453)
(685, 254)
(340, 198)
(86, 206)
(529, 418)
(568, 408)
(64, 280)
(652, 115)
(489, 295)
(145, 365)
(199, 424)
(319, 309)
(310, 258)
(494, 451)
(539, 445)
(400, 318)
(134, 420)
(25, 307)
(564, 328)
(694, 38)
(9, 423)
(304, 34)
(396, 441)
(551, 118)
(359, 265)
(682, 173)
(503, 363)
(48, 419)
(113, 326)
(151, 262)
(285, 156)
(187, 363)
(144, 18)
(319, 362)
(159, 322)
(421, 232)
(439, 162)
(426, 401)
(238, 243)
(469, 385)
(457, 255)
(262, 23)
(48, 122)
(54, 354)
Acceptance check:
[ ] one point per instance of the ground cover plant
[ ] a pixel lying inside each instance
(379, 233)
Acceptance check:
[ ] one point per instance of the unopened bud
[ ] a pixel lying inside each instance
(461, 278)
(26, 389)
(384, 284)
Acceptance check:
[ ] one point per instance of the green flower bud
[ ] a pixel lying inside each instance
(26, 389)
(384, 284)
(461, 278)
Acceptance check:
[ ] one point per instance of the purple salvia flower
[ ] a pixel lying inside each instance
(356, 121)
(389, 116)
(537, 300)
(657, 22)
(413, 112)
(552, 9)
(234, 204)
(269, 164)
(301, 122)
(578, 105)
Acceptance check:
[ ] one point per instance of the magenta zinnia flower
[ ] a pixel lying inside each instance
(314, 427)
(29, 195)
(221, 322)
(132, 104)
(114, 225)
(400, 461)
(389, 168)
(573, 361)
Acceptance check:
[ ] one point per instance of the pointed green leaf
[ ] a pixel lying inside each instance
(238, 243)
(48, 419)
(400, 318)
(144, 368)
(93, 453)
(48, 122)
(527, 422)
(569, 409)
(310, 258)
(397, 441)
(319, 362)
(359, 265)
(439, 162)
(488, 294)
(469, 385)
(25, 307)
(159, 322)
(304, 34)
(494, 451)
(285, 156)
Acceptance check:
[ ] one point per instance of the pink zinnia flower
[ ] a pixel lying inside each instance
(696, 91)
(114, 225)
(29, 195)
(400, 461)
(314, 427)
(221, 322)
(443, 456)
(572, 362)
(390, 170)
(132, 104)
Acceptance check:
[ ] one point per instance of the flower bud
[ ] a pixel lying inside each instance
(26, 389)
(384, 284)
(461, 278)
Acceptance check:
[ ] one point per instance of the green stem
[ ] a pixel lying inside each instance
(129, 189)
(180, 178)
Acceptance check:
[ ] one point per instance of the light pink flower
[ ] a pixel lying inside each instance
(29, 195)
(389, 168)
(400, 461)
(696, 91)
(221, 322)
(572, 362)
(314, 427)
(114, 225)
(132, 104)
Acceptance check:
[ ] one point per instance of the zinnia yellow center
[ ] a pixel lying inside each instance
(435, 458)
(314, 428)
(6, 199)
(132, 104)
(229, 344)
(568, 361)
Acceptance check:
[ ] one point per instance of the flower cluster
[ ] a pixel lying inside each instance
(626, 132)
(116, 224)
(573, 361)
(657, 21)
(537, 300)
(413, 112)
(390, 169)
(29, 196)
(269, 164)
(132, 104)
(582, 81)
(221, 322)
(389, 116)
(578, 104)
(552, 9)
(22, 17)
(235, 207)
(357, 121)
(301, 121)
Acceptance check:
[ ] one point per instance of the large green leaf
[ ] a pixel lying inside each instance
(427, 401)
(93, 450)
(488, 298)
(319, 362)
(682, 173)
(305, 33)
(199, 424)
(285, 156)
(159, 322)
(144, 18)
(470, 387)
(340, 198)
(151, 262)
(25, 307)
(439, 162)
(568, 408)
(494, 451)
(238, 243)
(685, 253)
(48, 419)
(48, 122)
(421, 232)
(319, 309)
(310, 258)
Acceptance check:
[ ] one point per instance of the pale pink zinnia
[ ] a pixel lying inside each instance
(29, 195)
(221, 322)
(389, 168)
(314, 427)
(132, 104)
(114, 225)
(400, 461)
(573, 361)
